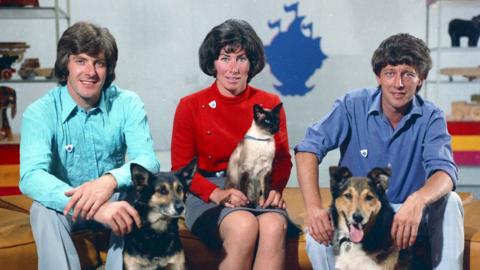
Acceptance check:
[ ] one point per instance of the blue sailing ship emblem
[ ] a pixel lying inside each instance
(293, 56)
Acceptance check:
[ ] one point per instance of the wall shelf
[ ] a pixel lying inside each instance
(55, 13)
(27, 13)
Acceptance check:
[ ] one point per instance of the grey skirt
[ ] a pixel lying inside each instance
(204, 219)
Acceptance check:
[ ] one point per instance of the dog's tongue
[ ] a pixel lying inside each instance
(356, 234)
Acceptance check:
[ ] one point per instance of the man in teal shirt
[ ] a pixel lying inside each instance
(73, 146)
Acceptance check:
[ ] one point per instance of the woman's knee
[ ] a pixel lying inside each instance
(273, 225)
(239, 226)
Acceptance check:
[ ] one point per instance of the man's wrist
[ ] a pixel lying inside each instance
(110, 180)
(418, 199)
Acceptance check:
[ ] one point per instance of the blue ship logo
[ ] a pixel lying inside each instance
(293, 56)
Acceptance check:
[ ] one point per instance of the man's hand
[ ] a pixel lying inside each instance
(229, 197)
(319, 225)
(87, 198)
(318, 220)
(406, 221)
(274, 199)
(119, 216)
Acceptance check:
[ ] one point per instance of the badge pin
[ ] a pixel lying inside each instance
(212, 104)
(69, 148)
(364, 153)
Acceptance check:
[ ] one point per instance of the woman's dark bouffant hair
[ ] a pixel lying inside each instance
(85, 37)
(232, 35)
(403, 49)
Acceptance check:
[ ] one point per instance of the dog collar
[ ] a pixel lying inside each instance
(343, 240)
(249, 137)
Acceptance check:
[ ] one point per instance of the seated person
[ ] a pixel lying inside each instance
(390, 126)
(209, 124)
(73, 146)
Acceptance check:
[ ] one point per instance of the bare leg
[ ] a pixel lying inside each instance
(271, 243)
(239, 231)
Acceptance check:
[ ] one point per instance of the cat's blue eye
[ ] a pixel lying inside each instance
(267, 121)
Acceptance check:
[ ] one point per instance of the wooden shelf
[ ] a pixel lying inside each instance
(28, 81)
(15, 13)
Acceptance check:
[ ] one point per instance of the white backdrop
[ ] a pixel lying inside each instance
(158, 42)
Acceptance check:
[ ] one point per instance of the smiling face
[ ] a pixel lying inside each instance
(86, 77)
(357, 206)
(399, 85)
(232, 72)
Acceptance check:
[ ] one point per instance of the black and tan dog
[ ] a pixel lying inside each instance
(362, 218)
(159, 200)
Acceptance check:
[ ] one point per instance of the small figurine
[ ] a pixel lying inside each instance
(10, 52)
(8, 99)
(458, 28)
(30, 68)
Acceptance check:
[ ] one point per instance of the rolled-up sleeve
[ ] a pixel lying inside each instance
(326, 134)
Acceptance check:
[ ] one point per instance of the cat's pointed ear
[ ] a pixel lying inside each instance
(257, 108)
(277, 108)
(257, 111)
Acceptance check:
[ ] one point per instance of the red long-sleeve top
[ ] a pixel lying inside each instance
(209, 126)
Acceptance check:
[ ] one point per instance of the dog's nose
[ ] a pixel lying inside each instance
(357, 217)
(179, 208)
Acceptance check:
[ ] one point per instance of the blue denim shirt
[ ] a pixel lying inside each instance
(63, 146)
(414, 150)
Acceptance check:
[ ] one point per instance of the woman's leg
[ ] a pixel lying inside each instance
(271, 242)
(238, 231)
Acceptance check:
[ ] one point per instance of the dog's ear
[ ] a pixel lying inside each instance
(380, 177)
(186, 173)
(140, 175)
(337, 176)
(339, 173)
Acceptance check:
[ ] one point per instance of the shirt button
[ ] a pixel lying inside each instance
(209, 132)
(203, 106)
(209, 157)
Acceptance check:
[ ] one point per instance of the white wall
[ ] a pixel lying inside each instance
(158, 43)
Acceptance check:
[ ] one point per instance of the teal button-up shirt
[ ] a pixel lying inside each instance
(63, 146)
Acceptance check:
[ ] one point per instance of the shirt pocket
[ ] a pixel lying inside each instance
(115, 146)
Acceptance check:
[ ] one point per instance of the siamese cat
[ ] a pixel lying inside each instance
(250, 165)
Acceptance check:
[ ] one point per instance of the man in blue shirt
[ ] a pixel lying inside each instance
(390, 126)
(73, 147)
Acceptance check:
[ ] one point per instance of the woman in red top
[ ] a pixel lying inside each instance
(208, 125)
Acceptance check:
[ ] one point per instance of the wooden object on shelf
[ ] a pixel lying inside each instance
(30, 68)
(475, 98)
(10, 52)
(8, 100)
(471, 73)
(465, 111)
(13, 48)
